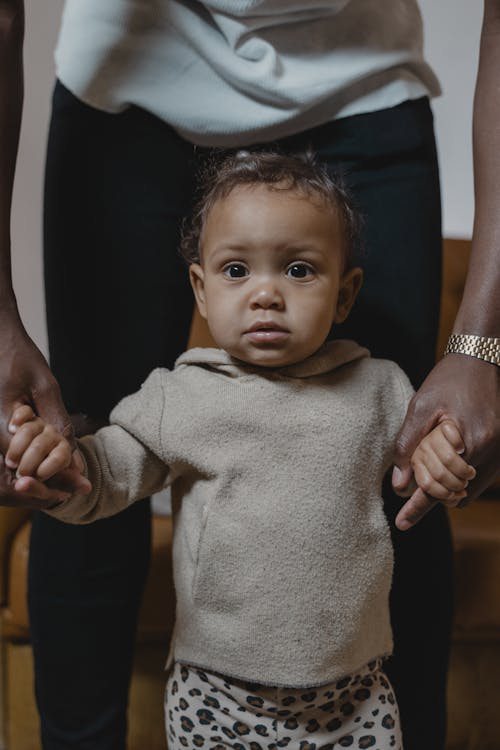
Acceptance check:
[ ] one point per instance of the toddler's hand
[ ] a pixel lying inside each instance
(38, 452)
(438, 468)
(37, 449)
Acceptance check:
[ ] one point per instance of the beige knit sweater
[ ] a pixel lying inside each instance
(282, 554)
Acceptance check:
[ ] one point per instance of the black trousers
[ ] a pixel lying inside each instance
(119, 304)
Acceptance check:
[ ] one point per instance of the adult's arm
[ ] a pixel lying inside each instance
(461, 387)
(24, 374)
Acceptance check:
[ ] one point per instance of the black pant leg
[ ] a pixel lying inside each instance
(118, 304)
(119, 301)
(388, 159)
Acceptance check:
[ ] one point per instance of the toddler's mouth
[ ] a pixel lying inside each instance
(266, 331)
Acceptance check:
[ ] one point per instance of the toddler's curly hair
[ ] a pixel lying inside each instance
(298, 173)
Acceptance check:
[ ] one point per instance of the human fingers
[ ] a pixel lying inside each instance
(29, 487)
(38, 450)
(66, 483)
(439, 444)
(414, 510)
(419, 420)
(439, 489)
(59, 458)
(49, 405)
(23, 413)
(450, 431)
(465, 390)
(10, 497)
(24, 436)
(426, 462)
(26, 378)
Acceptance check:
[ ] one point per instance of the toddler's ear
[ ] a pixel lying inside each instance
(350, 284)
(197, 279)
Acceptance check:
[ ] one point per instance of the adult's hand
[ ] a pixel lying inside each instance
(25, 378)
(466, 390)
(37, 495)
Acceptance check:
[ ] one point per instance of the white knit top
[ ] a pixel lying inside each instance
(233, 72)
(282, 553)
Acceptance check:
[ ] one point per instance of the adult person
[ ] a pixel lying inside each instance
(144, 90)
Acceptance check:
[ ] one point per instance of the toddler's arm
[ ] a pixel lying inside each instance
(123, 466)
(438, 467)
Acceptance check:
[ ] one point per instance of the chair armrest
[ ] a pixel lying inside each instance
(10, 520)
(476, 541)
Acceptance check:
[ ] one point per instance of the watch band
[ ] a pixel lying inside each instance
(482, 347)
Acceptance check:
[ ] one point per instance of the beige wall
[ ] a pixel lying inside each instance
(42, 17)
(452, 28)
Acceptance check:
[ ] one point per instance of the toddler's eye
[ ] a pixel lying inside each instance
(299, 270)
(235, 271)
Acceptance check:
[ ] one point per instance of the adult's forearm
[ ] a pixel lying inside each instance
(11, 98)
(480, 309)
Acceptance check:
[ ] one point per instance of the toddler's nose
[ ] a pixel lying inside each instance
(267, 295)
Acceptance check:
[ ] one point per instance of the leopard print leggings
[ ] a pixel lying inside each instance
(210, 711)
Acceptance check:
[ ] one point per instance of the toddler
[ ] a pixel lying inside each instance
(275, 446)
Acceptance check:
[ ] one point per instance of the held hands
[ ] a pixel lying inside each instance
(465, 390)
(439, 470)
(38, 452)
(25, 377)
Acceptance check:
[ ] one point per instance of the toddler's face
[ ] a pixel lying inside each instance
(270, 283)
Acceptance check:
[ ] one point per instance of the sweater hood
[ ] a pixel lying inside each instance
(330, 356)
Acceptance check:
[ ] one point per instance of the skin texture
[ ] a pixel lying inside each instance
(37, 452)
(271, 281)
(459, 388)
(438, 467)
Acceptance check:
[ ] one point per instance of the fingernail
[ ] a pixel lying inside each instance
(12, 428)
(396, 475)
(404, 525)
(10, 463)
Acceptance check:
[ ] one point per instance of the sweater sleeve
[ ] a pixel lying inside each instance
(398, 392)
(124, 462)
(406, 393)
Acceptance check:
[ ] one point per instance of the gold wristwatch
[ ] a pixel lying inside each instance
(482, 347)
